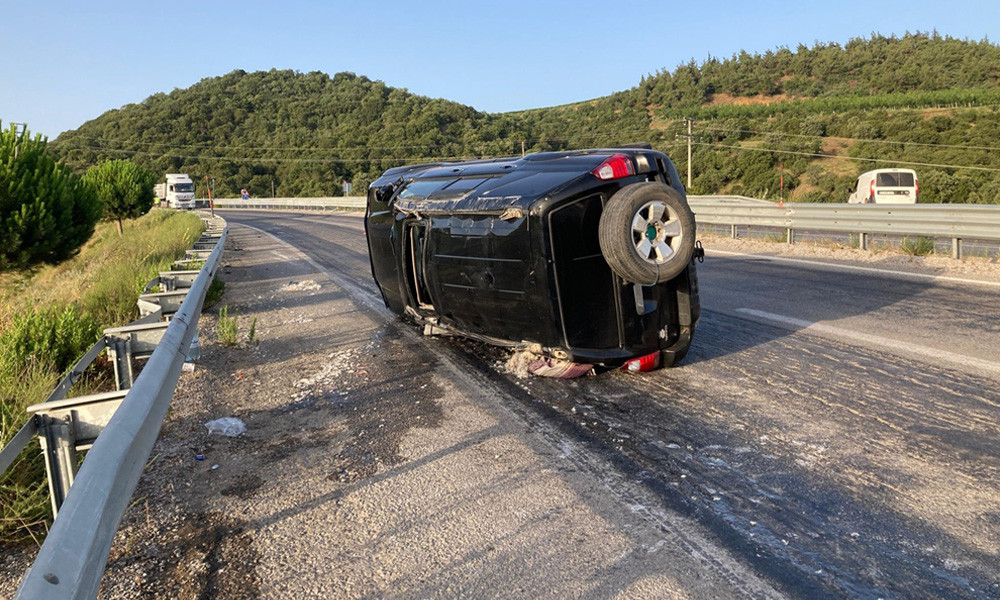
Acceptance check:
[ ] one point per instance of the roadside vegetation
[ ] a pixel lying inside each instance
(808, 119)
(46, 211)
(125, 188)
(49, 316)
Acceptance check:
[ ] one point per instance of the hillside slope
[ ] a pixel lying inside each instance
(813, 118)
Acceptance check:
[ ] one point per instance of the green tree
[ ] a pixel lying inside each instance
(46, 211)
(125, 188)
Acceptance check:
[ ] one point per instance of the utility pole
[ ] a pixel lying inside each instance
(690, 137)
(211, 202)
(24, 129)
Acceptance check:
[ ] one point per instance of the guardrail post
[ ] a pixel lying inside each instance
(121, 358)
(59, 448)
(863, 241)
(956, 248)
(732, 231)
(790, 235)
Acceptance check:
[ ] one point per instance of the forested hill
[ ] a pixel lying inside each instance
(249, 129)
(862, 67)
(816, 115)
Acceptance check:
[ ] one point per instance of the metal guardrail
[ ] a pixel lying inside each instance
(724, 198)
(350, 203)
(954, 221)
(119, 429)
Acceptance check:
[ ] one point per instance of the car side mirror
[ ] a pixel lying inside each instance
(385, 192)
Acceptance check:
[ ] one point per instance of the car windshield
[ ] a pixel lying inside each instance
(898, 179)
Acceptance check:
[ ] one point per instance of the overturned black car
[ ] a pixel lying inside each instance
(585, 256)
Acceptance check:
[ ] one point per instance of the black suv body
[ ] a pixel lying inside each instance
(587, 256)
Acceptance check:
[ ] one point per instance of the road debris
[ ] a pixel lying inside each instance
(307, 285)
(227, 426)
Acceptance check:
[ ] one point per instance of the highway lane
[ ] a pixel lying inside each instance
(940, 320)
(829, 459)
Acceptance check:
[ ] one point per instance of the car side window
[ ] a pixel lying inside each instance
(423, 188)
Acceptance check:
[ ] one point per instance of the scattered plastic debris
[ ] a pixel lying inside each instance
(199, 457)
(187, 367)
(227, 426)
(562, 369)
(214, 467)
(524, 363)
(307, 285)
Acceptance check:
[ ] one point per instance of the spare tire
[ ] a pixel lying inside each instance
(647, 233)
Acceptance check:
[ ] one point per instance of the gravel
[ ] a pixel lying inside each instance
(373, 467)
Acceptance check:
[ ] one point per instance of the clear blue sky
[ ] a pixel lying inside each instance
(66, 62)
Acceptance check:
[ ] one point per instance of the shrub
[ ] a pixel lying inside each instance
(24, 494)
(125, 188)
(921, 246)
(46, 212)
(226, 327)
(49, 338)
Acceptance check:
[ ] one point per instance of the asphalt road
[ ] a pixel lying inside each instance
(836, 430)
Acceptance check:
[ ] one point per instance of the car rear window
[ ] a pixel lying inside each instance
(898, 179)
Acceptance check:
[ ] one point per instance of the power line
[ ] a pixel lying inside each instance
(855, 158)
(269, 159)
(829, 137)
(72, 142)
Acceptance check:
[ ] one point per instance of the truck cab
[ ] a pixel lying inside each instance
(180, 191)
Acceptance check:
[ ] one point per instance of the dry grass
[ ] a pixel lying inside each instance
(103, 282)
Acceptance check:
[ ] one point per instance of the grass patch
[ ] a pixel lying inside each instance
(919, 246)
(214, 292)
(226, 328)
(49, 317)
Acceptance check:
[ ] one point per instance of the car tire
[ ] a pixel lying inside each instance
(647, 233)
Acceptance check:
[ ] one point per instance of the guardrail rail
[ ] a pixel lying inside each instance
(956, 222)
(343, 203)
(118, 428)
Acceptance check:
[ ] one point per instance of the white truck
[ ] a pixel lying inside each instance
(178, 191)
(886, 186)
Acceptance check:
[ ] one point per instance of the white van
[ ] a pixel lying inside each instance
(886, 186)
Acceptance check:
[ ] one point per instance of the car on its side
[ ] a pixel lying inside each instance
(585, 256)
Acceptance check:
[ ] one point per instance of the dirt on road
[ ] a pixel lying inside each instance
(372, 467)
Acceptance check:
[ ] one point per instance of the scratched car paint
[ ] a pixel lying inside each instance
(584, 256)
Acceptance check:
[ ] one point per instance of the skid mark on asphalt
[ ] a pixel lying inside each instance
(906, 348)
(629, 489)
(826, 265)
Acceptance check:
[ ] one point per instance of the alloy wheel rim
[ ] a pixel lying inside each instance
(656, 232)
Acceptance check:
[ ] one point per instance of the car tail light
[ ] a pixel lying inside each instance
(643, 363)
(917, 183)
(614, 167)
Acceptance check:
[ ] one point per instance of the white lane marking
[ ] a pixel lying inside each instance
(818, 263)
(906, 348)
